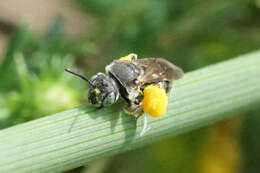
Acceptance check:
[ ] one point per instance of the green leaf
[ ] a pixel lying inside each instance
(78, 136)
(7, 71)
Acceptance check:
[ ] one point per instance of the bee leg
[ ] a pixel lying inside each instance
(131, 108)
(140, 113)
(146, 126)
(131, 57)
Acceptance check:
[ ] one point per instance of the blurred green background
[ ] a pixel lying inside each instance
(38, 39)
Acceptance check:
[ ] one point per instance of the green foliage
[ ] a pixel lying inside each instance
(32, 80)
(190, 33)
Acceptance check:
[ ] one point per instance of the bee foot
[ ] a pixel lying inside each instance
(131, 109)
(146, 126)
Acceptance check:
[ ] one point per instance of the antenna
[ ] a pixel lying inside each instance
(79, 75)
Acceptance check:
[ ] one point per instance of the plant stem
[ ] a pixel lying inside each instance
(75, 137)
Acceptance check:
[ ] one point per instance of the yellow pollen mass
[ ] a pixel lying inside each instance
(128, 57)
(155, 101)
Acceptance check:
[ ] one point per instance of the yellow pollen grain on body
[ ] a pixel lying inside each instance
(128, 57)
(155, 101)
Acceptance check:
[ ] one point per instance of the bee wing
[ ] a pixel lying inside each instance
(157, 70)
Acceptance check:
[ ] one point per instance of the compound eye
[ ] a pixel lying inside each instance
(109, 99)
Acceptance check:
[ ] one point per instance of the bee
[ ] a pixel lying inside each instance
(142, 83)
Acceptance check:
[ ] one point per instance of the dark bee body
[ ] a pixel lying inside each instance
(128, 77)
(125, 74)
(142, 83)
(134, 74)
